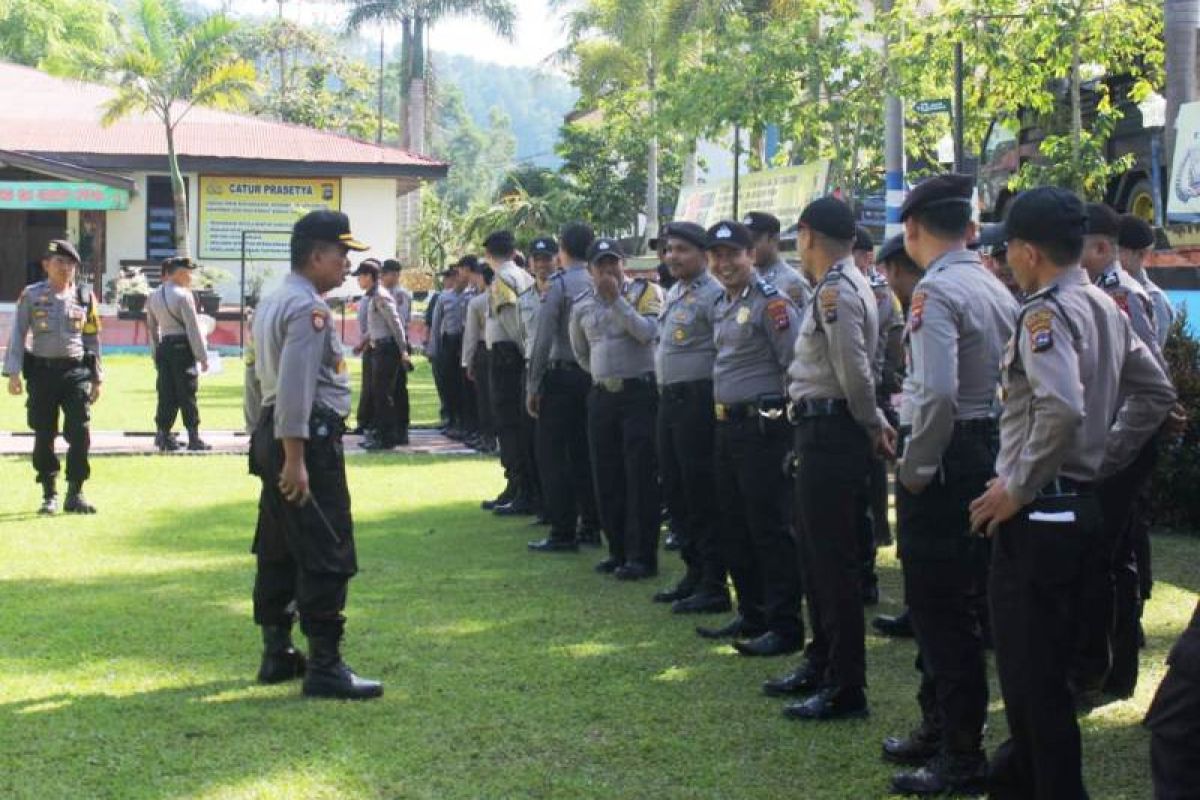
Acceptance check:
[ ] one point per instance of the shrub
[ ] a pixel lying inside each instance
(1176, 484)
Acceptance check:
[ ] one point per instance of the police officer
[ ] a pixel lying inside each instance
(452, 318)
(686, 421)
(178, 345)
(612, 328)
(838, 427)
(993, 250)
(470, 430)
(557, 391)
(475, 360)
(960, 320)
(61, 366)
(1135, 243)
(368, 281)
(507, 369)
(770, 264)
(304, 541)
(754, 329)
(1072, 367)
(1174, 720)
(389, 279)
(389, 349)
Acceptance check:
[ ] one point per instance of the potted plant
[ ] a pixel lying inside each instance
(204, 287)
(256, 278)
(130, 289)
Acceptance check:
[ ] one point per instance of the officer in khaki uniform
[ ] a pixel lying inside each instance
(838, 428)
(178, 344)
(770, 265)
(61, 366)
(686, 422)
(961, 318)
(368, 281)
(476, 358)
(613, 327)
(754, 327)
(389, 357)
(389, 280)
(304, 541)
(1082, 394)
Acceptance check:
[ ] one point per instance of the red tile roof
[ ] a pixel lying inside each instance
(40, 113)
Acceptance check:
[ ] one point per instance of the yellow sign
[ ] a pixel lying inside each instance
(263, 208)
(783, 192)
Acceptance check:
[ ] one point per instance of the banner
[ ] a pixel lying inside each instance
(1183, 195)
(265, 207)
(783, 192)
(54, 195)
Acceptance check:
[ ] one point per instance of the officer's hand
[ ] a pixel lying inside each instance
(358, 348)
(94, 394)
(1177, 421)
(533, 404)
(992, 507)
(471, 374)
(406, 360)
(14, 384)
(885, 442)
(293, 482)
(606, 288)
(204, 365)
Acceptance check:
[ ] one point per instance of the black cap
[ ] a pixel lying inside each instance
(761, 222)
(368, 266)
(1135, 233)
(499, 241)
(604, 247)
(890, 249)
(327, 226)
(1046, 214)
(392, 265)
(1102, 221)
(467, 262)
(173, 263)
(993, 237)
(690, 232)
(543, 246)
(448, 271)
(830, 216)
(728, 233)
(940, 190)
(61, 247)
(863, 239)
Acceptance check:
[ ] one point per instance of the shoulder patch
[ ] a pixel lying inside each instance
(916, 312)
(777, 312)
(650, 303)
(1109, 280)
(501, 293)
(319, 319)
(768, 289)
(1122, 301)
(827, 299)
(1039, 323)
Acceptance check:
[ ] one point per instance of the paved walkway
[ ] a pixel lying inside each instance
(422, 440)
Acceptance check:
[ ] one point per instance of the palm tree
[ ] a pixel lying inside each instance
(415, 17)
(166, 64)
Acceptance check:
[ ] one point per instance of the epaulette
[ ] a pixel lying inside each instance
(585, 293)
(768, 289)
(877, 280)
(1109, 280)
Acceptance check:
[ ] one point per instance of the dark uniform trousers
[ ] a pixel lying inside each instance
(305, 554)
(1039, 567)
(506, 378)
(385, 369)
(833, 458)
(1108, 650)
(450, 366)
(757, 541)
(621, 438)
(366, 401)
(686, 441)
(1174, 721)
(59, 383)
(563, 458)
(176, 383)
(400, 399)
(945, 585)
(480, 391)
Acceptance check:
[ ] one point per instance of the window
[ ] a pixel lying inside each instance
(160, 217)
(1001, 141)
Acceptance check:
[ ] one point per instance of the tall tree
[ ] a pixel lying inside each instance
(165, 64)
(50, 34)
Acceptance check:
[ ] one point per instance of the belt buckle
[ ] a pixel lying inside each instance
(722, 411)
(771, 414)
(613, 385)
(790, 411)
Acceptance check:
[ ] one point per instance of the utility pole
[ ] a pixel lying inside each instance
(379, 125)
(737, 166)
(959, 147)
(893, 149)
(1180, 19)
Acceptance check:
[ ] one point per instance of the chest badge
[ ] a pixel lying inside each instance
(679, 335)
(743, 315)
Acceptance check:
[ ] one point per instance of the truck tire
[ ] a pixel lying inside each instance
(1139, 201)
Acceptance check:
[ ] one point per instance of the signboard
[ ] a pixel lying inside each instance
(231, 205)
(1183, 195)
(931, 107)
(783, 192)
(57, 195)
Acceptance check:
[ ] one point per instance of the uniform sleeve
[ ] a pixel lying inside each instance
(1164, 318)
(640, 322)
(15, 356)
(435, 328)
(91, 337)
(579, 341)
(1149, 397)
(471, 332)
(893, 350)
(404, 309)
(848, 353)
(187, 311)
(1052, 367)
(1138, 310)
(934, 387)
(547, 324)
(385, 305)
(364, 308)
(781, 321)
(152, 335)
(299, 362)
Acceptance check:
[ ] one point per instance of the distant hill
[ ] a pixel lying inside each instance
(536, 100)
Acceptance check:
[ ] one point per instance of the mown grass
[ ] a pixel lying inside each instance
(128, 657)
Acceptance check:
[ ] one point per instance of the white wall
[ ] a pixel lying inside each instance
(371, 205)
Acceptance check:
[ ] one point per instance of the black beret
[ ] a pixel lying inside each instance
(604, 247)
(761, 222)
(940, 190)
(890, 249)
(1102, 221)
(1046, 214)
(994, 237)
(728, 233)
(1135, 233)
(61, 247)
(327, 226)
(501, 241)
(173, 263)
(368, 266)
(543, 246)
(467, 262)
(830, 216)
(391, 265)
(863, 239)
(690, 232)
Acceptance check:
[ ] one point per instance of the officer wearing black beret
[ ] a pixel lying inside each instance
(178, 345)
(771, 267)
(1135, 242)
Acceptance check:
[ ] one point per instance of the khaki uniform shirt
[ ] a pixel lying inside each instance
(686, 350)
(754, 333)
(475, 332)
(1131, 298)
(552, 342)
(57, 325)
(171, 311)
(616, 340)
(504, 311)
(383, 319)
(1164, 312)
(784, 277)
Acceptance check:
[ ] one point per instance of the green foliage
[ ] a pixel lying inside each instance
(1176, 502)
(478, 157)
(1082, 165)
(51, 34)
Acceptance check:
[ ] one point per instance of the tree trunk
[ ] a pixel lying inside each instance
(1180, 20)
(405, 79)
(416, 89)
(179, 193)
(1076, 112)
(689, 165)
(651, 210)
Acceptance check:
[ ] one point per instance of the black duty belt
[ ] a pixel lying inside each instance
(736, 412)
(563, 364)
(56, 363)
(1066, 487)
(683, 389)
(174, 337)
(987, 425)
(822, 407)
(615, 385)
(388, 342)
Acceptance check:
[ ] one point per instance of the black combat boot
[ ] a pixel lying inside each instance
(164, 440)
(281, 660)
(76, 503)
(49, 496)
(946, 775)
(327, 675)
(195, 442)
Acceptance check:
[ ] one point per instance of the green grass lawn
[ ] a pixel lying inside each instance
(127, 403)
(128, 660)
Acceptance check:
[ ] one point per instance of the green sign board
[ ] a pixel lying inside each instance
(932, 106)
(48, 195)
